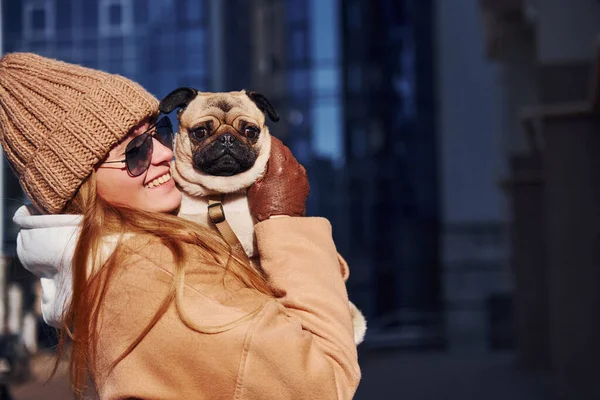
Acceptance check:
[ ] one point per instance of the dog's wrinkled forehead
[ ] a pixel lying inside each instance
(224, 103)
(227, 107)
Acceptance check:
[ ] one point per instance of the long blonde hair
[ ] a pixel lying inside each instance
(80, 319)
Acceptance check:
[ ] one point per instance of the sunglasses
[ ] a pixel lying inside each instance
(138, 153)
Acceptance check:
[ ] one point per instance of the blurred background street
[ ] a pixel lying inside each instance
(453, 144)
(434, 376)
(37, 387)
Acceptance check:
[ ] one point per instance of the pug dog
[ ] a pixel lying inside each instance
(222, 147)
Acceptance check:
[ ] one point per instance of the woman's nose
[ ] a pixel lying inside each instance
(160, 153)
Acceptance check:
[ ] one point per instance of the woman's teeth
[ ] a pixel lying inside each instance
(159, 181)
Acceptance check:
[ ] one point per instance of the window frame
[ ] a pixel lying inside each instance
(126, 26)
(49, 9)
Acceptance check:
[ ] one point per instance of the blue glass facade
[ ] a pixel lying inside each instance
(160, 44)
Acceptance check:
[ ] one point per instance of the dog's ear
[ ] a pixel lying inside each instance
(177, 98)
(264, 105)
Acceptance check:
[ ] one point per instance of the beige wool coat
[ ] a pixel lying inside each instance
(297, 346)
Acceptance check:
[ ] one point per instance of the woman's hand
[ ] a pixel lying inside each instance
(283, 188)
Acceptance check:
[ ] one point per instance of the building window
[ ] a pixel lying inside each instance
(194, 10)
(354, 15)
(355, 77)
(115, 14)
(116, 17)
(326, 81)
(298, 82)
(296, 10)
(190, 12)
(64, 20)
(298, 45)
(38, 19)
(194, 51)
(358, 141)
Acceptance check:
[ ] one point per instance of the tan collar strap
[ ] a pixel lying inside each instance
(217, 216)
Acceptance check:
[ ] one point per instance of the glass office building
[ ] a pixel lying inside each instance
(352, 81)
(391, 161)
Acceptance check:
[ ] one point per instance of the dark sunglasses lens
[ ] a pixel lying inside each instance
(164, 132)
(138, 154)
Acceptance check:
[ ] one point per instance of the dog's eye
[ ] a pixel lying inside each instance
(199, 133)
(251, 132)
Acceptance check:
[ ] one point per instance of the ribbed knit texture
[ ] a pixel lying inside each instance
(58, 120)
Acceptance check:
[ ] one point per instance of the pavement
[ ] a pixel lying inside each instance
(387, 375)
(39, 388)
(393, 375)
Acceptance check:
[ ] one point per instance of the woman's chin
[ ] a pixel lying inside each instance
(163, 200)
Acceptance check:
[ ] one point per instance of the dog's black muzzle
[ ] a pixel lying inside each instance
(226, 156)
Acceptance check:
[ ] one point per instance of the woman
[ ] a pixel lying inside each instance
(156, 307)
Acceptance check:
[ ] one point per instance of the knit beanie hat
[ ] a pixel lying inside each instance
(58, 120)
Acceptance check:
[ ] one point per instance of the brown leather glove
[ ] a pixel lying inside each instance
(283, 188)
